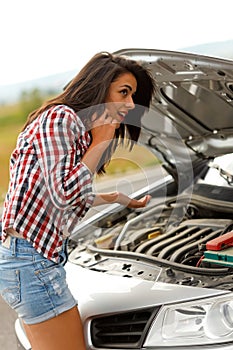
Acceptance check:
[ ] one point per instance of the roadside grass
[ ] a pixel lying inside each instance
(11, 121)
(124, 161)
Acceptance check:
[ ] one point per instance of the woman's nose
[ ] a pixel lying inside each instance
(130, 103)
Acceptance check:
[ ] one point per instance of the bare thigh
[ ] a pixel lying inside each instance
(62, 332)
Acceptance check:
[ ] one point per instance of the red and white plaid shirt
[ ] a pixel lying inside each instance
(50, 188)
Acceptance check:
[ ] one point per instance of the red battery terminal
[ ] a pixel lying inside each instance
(221, 242)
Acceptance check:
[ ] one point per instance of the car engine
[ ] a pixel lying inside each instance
(168, 241)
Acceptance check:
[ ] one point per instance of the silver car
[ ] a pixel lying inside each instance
(161, 277)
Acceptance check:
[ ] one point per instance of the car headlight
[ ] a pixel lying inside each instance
(200, 322)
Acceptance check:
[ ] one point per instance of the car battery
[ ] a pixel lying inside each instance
(220, 250)
(223, 257)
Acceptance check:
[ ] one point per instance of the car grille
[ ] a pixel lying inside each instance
(123, 330)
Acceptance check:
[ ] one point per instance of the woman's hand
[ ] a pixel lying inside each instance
(121, 198)
(102, 131)
(133, 203)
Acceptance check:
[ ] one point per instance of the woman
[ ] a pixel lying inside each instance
(63, 144)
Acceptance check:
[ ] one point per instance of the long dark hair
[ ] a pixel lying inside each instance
(89, 88)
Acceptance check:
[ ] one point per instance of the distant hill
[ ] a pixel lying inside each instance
(11, 93)
(56, 82)
(221, 49)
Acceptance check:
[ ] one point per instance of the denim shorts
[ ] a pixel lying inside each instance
(32, 285)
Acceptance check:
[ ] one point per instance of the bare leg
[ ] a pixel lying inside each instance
(62, 332)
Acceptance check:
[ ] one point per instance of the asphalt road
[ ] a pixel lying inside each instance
(8, 339)
(127, 184)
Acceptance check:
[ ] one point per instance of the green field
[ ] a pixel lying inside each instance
(12, 119)
(10, 124)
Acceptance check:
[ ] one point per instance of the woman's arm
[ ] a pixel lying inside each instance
(68, 180)
(120, 198)
(102, 131)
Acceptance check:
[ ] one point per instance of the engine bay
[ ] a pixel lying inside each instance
(167, 241)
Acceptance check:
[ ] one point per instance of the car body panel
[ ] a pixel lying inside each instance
(196, 93)
(99, 292)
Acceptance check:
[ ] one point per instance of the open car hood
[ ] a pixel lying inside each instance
(193, 103)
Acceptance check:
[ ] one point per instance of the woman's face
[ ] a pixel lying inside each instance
(120, 97)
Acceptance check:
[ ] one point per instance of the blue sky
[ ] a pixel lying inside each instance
(41, 38)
